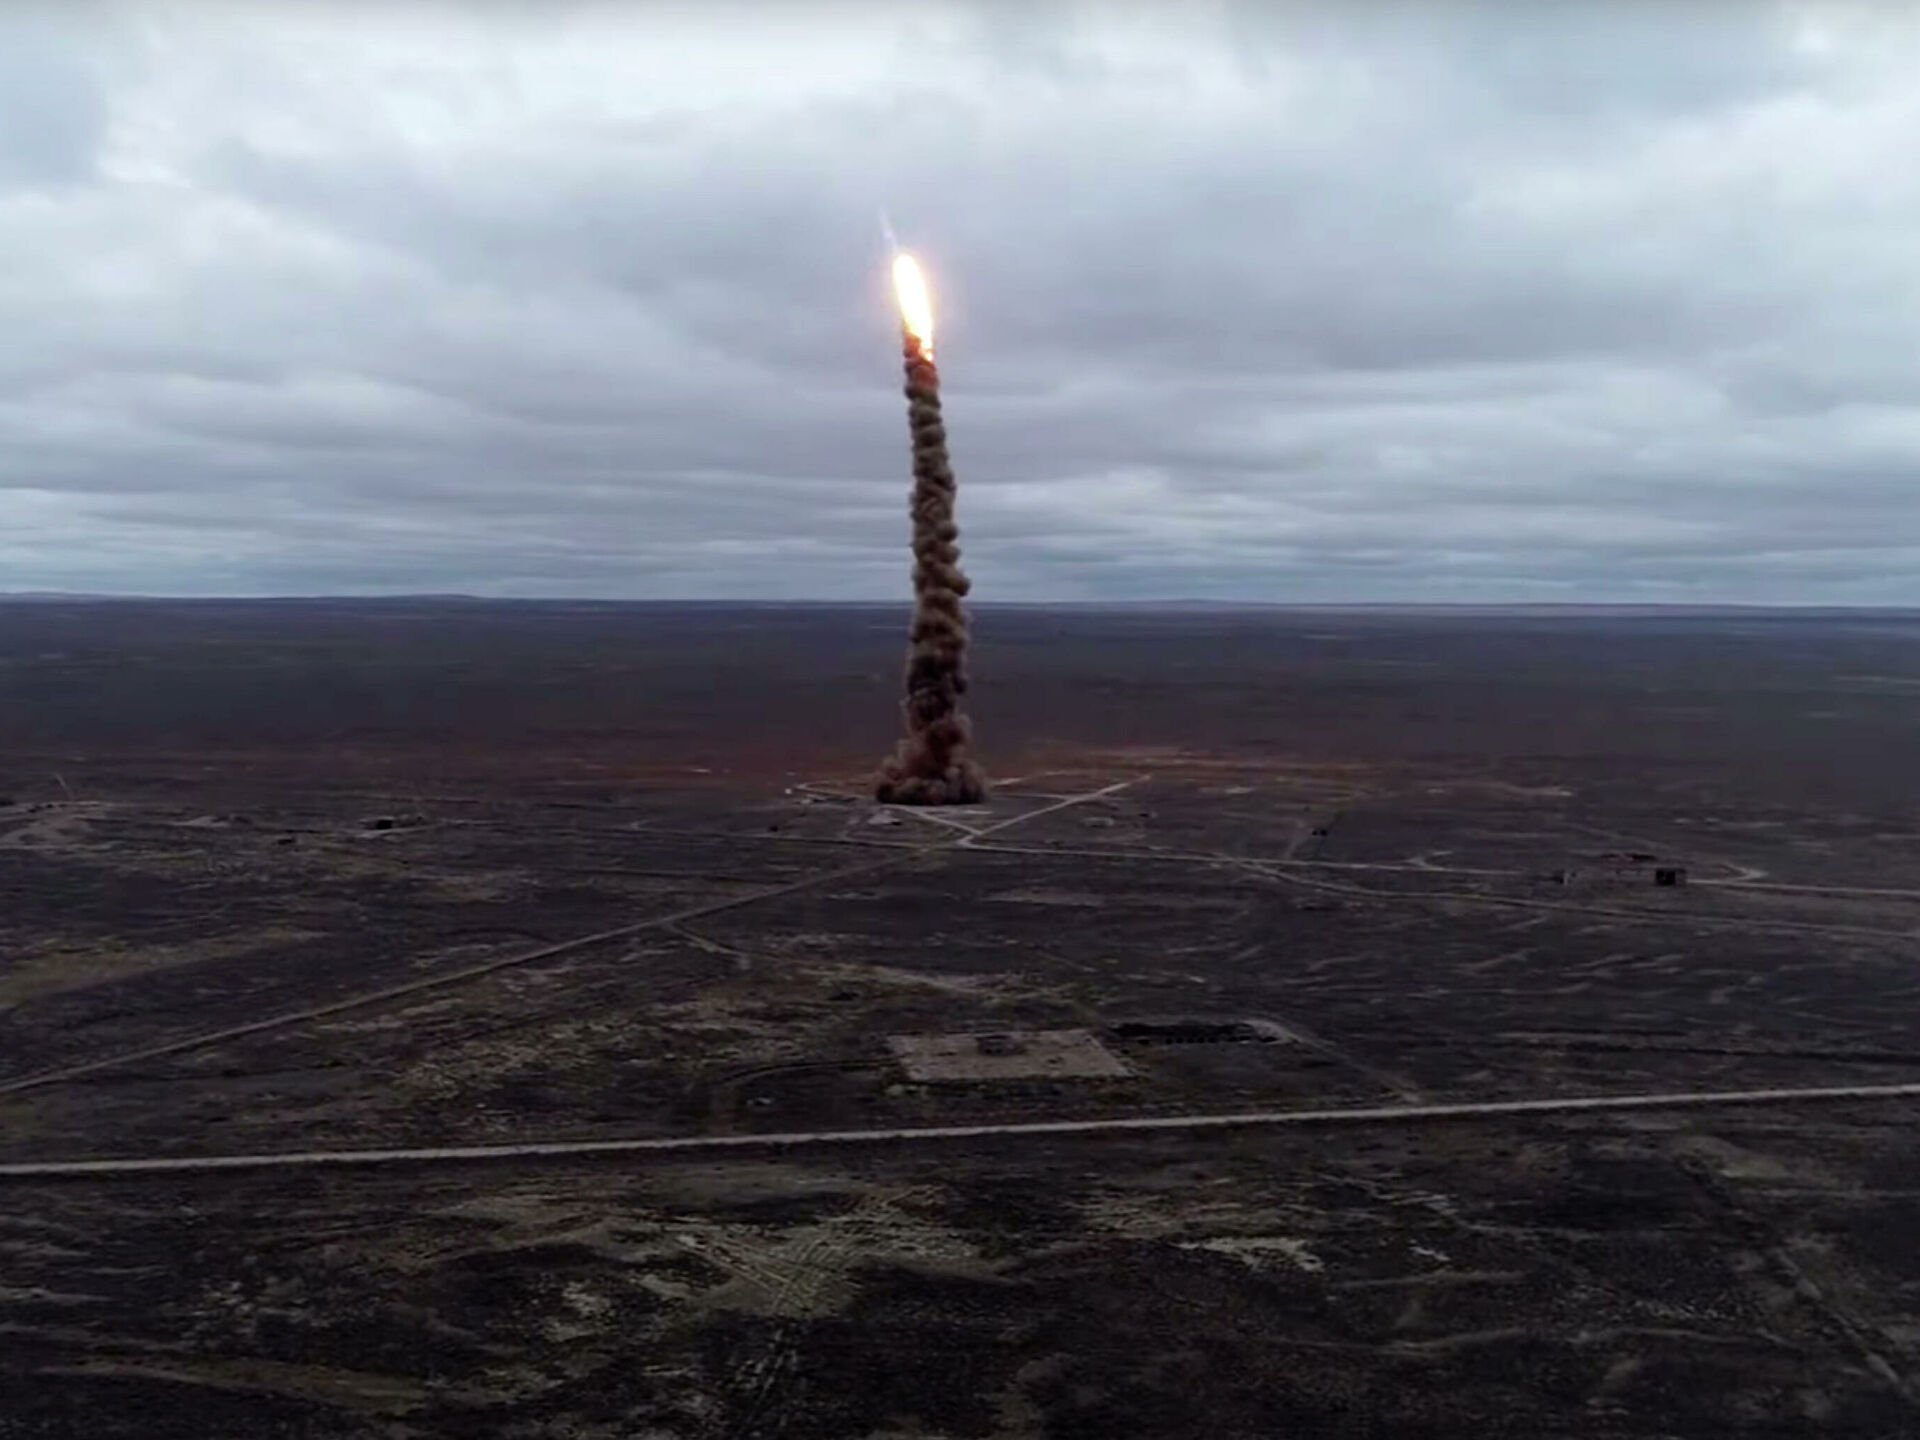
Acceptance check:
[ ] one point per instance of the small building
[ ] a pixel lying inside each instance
(1670, 875)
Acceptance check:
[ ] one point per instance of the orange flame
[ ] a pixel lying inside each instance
(916, 308)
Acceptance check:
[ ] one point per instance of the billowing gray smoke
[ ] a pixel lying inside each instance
(931, 766)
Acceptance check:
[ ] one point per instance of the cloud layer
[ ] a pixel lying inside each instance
(1432, 301)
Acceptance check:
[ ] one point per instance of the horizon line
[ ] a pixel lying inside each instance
(1189, 602)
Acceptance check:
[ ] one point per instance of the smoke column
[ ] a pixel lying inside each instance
(931, 766)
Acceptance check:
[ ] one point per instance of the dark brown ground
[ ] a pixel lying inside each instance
(225, 813)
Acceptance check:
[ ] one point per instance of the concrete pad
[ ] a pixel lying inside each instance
(1006, 1055)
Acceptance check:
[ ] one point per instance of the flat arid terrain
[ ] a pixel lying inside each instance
(445, 1018)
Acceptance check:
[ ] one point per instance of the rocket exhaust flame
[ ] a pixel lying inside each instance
(931, 765)
(916, 308)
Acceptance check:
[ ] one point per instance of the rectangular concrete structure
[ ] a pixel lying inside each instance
(1006, 1055)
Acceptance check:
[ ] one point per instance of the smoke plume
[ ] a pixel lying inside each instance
(931, 766)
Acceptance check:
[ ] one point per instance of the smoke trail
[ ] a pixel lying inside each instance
(931, 766)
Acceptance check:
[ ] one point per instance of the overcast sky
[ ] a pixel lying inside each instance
(1453, 302)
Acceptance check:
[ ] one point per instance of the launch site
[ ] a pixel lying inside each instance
(1308, 1036)
(1324, 844)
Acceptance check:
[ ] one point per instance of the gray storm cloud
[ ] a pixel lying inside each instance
(1302, 302)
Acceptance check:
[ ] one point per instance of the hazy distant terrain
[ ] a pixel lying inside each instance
(1823, 704)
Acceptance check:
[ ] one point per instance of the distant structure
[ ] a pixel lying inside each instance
(1619, 867)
